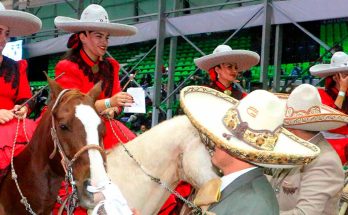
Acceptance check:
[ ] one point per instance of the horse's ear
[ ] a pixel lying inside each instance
(55, 88)
(95, 91)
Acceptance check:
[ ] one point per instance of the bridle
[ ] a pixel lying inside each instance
(67, 164)
(209, 145)
(70, 202)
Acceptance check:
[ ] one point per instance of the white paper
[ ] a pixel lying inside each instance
(139, 100)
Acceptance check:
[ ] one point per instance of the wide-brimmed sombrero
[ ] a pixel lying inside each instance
(305, 111)
(339, 64)
(94, 18)
(224, 54)
(250, 129)
(19, 23)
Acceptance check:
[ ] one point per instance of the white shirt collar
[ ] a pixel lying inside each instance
(228, 179)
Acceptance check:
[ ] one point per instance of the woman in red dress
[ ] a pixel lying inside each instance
(85, 65)
(335, 95)
(224, 65)
(15, 89)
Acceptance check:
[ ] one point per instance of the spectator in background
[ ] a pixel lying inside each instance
(294, 74)
(296, 71)
(335, 95)
(142, 129)
(224, 66)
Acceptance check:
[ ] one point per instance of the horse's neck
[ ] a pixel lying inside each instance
(158, 150)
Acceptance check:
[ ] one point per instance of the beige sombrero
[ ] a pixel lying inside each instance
(339, 64)
(249, 129)
(224, 54)
(305, 111)
(19, 23)
(94, 18)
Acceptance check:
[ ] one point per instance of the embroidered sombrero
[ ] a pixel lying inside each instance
(250, 129)
(339, 64)
(19, 23)
(94, 18)
(305, 111)
(224, 54)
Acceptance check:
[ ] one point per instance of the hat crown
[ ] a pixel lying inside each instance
(339, 59)
(95, 13)
(303, 100)
(222, 48)
(261, 110)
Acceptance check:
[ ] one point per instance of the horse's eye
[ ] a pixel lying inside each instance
(63, 127)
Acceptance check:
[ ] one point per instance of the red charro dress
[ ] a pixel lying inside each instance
(15, 89)
(78, 74)
(338, 138)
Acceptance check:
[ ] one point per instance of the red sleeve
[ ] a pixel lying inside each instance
(24, 91)
(244, 94)
(72, 77)
(327, 100)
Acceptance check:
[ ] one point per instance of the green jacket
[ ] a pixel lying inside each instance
(250, 193)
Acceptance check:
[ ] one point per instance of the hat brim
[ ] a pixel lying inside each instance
(243, 58)
(327, 119)
(206, 107)
(324, 70)
(74, 26)
(20, 23)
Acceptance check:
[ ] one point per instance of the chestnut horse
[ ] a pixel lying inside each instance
(171, 151)
(40, 170)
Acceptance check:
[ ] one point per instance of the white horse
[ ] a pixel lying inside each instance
(171, 151)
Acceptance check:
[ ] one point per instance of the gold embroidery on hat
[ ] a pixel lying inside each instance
(260, 139)
(290, 112)
(252, 111)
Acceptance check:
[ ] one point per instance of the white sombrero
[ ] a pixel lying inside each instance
(250, 129)
(19, 23)
(224, 54)
(339, 64)
(94, 18)
(305, 111)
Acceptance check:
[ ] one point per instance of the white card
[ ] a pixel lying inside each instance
(139, 100)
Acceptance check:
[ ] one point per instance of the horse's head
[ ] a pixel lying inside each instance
(196, 166)
(79, 132)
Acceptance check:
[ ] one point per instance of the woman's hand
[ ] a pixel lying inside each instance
(122, 99)
(109, 112)
(20, 113)
(6, 116)
(342, 81)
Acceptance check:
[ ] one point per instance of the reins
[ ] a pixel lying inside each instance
(195, 209)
